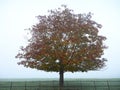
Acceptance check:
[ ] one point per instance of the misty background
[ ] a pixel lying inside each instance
(17, 15)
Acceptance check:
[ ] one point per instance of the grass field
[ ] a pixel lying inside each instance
(53, 84)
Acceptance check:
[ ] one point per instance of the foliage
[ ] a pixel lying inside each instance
(64, 40)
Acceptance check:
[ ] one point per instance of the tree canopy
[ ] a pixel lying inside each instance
(64, 40)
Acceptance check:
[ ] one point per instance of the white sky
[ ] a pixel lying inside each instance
(17, 15)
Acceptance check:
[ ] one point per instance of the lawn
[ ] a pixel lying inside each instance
(53, 84)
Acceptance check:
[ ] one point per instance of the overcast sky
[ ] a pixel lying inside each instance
(17, 15)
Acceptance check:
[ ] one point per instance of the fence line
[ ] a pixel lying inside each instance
(94, 85)
(11, 86)
(68, 85)
(108, 85)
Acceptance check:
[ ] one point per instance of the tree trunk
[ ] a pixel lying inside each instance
(61, 81)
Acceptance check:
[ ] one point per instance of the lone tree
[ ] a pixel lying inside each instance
(64, 42)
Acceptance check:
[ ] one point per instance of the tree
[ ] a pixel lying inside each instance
(64, 42)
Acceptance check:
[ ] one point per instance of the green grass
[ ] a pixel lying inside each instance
(53, 84)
